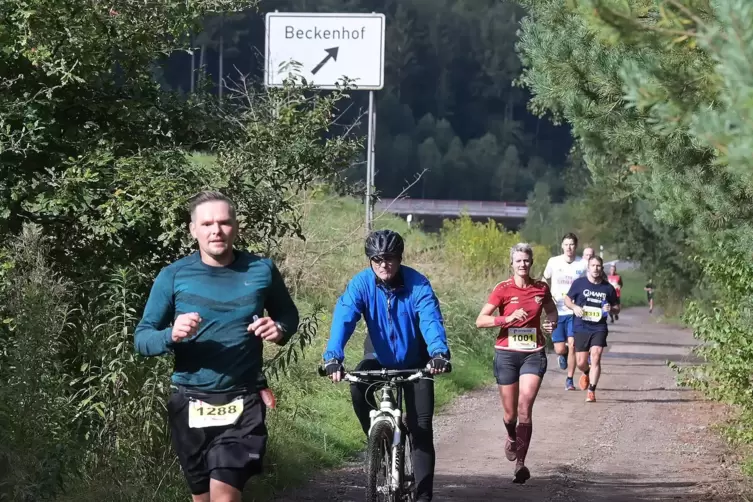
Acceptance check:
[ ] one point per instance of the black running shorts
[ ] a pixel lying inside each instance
(509, 365)
(584, 341)
(228, 453)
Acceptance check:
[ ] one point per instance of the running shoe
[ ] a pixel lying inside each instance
(584, 382)
(562, 360)
(522, 474)
(591, 397)
(569, 385)
(511, 450)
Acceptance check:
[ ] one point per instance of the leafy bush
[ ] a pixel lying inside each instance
(38, 444)
(484, 248)
(723, 325)
(96, 153)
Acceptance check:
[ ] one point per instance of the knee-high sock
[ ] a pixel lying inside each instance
(523, 433)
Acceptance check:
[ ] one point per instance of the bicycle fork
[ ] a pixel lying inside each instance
(396, 480)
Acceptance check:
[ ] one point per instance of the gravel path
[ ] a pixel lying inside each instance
(644, 439)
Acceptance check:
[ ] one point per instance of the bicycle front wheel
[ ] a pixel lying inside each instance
(409, 479)
(379, 464)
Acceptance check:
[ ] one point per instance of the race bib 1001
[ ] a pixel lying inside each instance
(521, 338)
(201, 414)
(592, 314)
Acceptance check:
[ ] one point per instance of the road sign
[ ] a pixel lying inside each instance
(328, 47)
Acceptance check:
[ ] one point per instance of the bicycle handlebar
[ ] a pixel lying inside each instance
(355, 376)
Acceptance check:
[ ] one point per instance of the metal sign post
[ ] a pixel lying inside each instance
(370, 165)
(369, 158)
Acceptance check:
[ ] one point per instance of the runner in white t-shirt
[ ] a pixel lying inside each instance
(560, 273)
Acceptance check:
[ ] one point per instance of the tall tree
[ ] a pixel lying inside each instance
(505, 181)
(430, 163)
(400, 55)
(658, 96)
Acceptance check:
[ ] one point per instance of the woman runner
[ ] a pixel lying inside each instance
(520, 359)
(615, 280)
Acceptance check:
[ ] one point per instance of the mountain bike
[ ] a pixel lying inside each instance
(389, 464)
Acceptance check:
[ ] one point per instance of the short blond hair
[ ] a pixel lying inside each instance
(521, 247)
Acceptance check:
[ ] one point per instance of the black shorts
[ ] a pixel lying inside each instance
(584, 341)
(509, 365)
(228, 453)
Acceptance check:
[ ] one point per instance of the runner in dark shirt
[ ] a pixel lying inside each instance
(591, 299)
(650, 295)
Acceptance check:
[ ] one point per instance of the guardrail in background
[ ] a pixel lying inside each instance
(437, 207)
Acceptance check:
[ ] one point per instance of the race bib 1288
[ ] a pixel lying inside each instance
(201, 414)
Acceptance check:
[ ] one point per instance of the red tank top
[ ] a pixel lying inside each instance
(614, 280)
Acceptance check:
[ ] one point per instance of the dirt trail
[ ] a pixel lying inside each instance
(644, 439)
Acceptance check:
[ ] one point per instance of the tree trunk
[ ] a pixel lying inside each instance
(193, 65)
(201, 64)
(221, 78)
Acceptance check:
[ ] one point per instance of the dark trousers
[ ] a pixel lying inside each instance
(419, 411)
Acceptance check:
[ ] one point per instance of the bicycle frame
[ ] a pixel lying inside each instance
(390, 410)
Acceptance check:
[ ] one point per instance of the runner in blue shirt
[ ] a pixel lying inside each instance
(591, 299)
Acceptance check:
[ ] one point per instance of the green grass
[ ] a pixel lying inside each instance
(633, 295)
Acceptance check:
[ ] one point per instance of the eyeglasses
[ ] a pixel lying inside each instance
(378, 260)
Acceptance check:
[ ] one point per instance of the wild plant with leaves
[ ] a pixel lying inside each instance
(97, 155)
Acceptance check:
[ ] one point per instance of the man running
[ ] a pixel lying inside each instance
(587, 254)
(560, 272)
(616, 281)
(519, 360)
(405, 331)
(591, 299)
(208, 310)
(650, 294)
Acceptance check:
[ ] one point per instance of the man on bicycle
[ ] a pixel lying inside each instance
(208, 310)
(405, 331)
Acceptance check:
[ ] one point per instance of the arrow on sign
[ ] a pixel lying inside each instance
(331, 54)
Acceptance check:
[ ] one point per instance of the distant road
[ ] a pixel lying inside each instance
(623, 265)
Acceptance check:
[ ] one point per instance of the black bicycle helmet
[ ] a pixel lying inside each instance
(384, 242)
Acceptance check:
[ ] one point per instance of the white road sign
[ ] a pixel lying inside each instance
(328, 47)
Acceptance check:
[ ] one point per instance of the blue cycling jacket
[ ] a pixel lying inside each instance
(403, 323)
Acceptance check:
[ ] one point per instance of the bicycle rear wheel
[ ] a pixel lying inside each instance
(379, 464)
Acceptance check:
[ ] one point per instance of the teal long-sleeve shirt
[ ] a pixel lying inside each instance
(222, 355)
